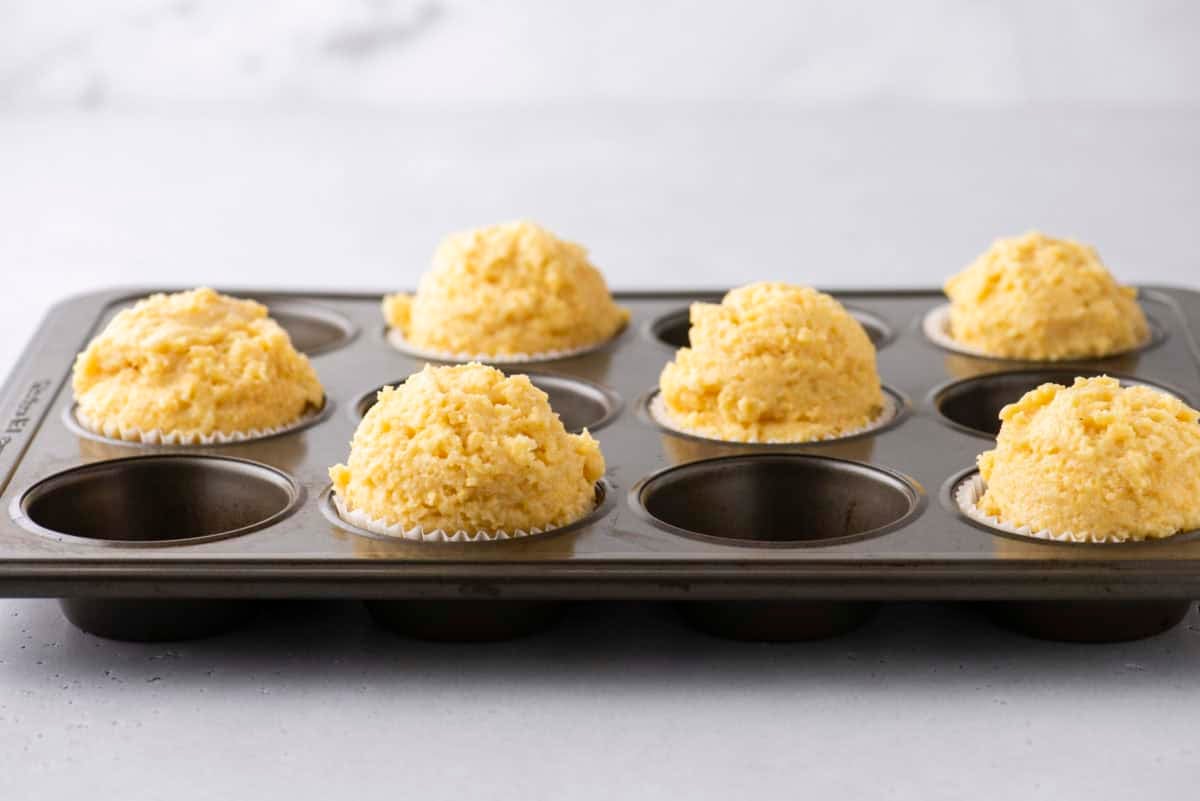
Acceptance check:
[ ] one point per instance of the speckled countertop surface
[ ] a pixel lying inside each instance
(294, 166)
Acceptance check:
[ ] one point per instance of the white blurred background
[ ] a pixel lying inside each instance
(161, 55)
(835, 143)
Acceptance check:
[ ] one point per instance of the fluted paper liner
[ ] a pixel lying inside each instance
(116, 433)
(396, 339)
(936, 325)
(970, 490)
(362, 520)
(662, 415)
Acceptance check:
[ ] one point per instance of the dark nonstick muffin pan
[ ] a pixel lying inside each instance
(757, 542)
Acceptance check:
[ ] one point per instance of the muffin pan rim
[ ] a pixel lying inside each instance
(936, 396)
(918, 500)
(18, 508)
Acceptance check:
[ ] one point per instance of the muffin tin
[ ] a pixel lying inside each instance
(754, 541)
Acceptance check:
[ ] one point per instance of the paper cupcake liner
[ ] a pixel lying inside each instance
(396, 339)
(117, 433)
(936, 326)
(362, 520)
(970, 490)
(662, 415)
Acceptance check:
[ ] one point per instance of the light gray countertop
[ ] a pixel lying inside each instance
(927, 702)
(617, 701)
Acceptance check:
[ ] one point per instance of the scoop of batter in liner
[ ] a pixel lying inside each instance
(466, 448)
(1038, 298)
(513, 289)
(194, 363)
(1097, 459)
(773, 363)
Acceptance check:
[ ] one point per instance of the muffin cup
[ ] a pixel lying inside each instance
(396, 339)
(936, 326)
(970, 490)
(136, 436)
(660, 414)
(364, 521)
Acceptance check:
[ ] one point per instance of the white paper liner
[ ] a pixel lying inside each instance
(936, 325)
(662, 415)
(971, 489)
(396, 339)
(362, 520)
(118, 433)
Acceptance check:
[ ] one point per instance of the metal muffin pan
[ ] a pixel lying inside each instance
(761, 542)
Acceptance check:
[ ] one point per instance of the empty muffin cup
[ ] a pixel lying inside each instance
(579, 404)
(672, 328)
(162, 500)
(973, 405)
(785, 500)
(778, 500)
(156, 501)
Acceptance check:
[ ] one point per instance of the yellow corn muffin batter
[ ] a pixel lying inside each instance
(196, 364)
(467, 449)
(1034, 297)
(773, 363)
(1098, 459)
(507, 290)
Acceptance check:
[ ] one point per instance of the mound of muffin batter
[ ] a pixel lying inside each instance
(507, 290)
(1097, 459)
(1038, 298)
(773, 363)
(467, 449)
(193, 364)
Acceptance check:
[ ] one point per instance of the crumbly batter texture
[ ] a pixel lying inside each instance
(773, 363)
(507, 290)
(193, 363)
(1098, 459)
(466, 448)
(1038, 298)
